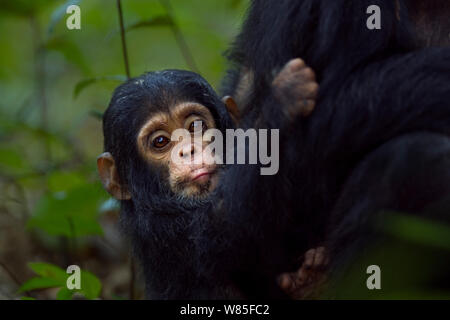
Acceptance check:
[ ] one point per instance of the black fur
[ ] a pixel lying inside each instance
(158, 222)
(377, 140)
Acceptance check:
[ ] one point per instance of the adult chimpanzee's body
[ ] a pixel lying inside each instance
(378, 140)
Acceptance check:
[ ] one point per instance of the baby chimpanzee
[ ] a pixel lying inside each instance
(166, 196)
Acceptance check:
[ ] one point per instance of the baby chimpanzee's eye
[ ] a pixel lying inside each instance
(195, 124)
(160, 142)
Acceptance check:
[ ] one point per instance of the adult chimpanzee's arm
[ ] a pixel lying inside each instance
(395, 96)
(386, 99)
(290, 95)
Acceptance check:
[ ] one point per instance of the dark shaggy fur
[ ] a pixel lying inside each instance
(379, 139)
(158, 222)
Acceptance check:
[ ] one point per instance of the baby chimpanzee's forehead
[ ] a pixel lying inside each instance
(181, 111)
(135, 101)
(163, 89)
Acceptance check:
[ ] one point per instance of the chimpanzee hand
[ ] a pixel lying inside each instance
(296, 88)
(307, 281)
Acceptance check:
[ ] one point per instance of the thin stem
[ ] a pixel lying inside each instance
(22, 200)
(122, 35)
(179, 38)
(40, 80)
(12, 276)
(72, 243)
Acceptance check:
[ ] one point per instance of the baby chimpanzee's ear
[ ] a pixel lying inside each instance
(110, 178)
(232, 108)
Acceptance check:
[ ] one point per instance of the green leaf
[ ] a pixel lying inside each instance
(83, 84)
(72, 214)
(158, 21)
(39, 283)
(12, 160)
(53, 276)
(64, 181)
(65, 294)
(418, 230)
(90, 285)
(27, 298)
(59, 13)
(48, 270)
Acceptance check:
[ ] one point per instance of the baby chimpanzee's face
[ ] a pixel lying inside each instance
(185, 162)
(160, 134)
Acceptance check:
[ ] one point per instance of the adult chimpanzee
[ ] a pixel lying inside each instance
(168, 206)
(378, 140)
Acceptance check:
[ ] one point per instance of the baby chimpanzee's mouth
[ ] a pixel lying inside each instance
(202, 174)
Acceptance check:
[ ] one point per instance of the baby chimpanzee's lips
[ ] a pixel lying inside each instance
(201, 174)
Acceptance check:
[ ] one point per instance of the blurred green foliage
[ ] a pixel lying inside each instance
(55, 84)
(413, 255)
(51, 276)
(71, 213)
